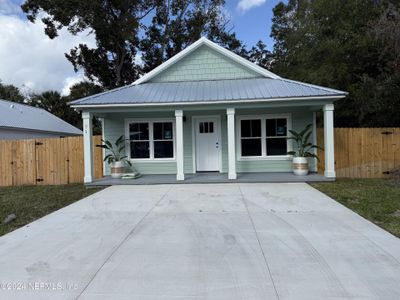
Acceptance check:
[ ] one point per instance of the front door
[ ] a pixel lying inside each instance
(207, 144)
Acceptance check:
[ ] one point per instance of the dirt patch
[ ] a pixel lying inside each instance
(396, 213)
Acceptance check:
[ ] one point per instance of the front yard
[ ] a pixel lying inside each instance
(377, 200)
(29, 203)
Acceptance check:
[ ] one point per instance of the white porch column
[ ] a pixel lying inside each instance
(329, 141)
(179, 145)
(87, 147)
(230, 112)
(315, 140)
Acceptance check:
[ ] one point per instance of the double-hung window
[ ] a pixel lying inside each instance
(251, 137)
(151, 139)
(264, 136)
(276, 136)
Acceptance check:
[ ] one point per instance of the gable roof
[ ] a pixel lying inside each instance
(21, 116)
(212, 91)
(263, 86)
(205, 42)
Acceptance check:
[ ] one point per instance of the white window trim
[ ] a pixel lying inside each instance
(151, 121)
(264, 155)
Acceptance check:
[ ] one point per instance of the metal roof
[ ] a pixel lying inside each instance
(209, 91)
(21, 116)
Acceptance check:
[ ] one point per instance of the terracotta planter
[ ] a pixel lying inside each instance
(117, 169)
(300, 166)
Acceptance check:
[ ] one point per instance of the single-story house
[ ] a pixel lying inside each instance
(209, 110)
(20, 121)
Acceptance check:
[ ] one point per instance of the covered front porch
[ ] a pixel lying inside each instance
(201, 178)
(192, 153)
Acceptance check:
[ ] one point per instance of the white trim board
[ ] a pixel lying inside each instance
(262, 101)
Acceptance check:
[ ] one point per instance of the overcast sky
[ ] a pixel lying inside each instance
(32, 61)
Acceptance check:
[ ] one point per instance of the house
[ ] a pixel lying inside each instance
(209, 110)
(20, 121)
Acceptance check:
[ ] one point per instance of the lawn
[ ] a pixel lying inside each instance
(377, 200)
(29, 203)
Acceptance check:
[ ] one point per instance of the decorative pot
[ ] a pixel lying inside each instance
(117, 169)
(300, 166)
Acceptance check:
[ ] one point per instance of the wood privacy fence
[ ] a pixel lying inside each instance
(359, 153)
(363, 152)
(45, 161)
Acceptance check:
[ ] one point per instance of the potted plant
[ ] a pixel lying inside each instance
(116, 157)
(304, 150)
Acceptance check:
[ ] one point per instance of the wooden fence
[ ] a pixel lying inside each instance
(363, 152)
(359, 153)
(45, 161)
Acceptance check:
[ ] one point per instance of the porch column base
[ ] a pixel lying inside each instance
(330, 174)
(179, 145)
(87, 179)
(230, 112)
(232, 176)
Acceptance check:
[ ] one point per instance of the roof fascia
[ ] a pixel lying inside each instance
(333, 98)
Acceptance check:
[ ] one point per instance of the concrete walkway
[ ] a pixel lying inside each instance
(209, 241)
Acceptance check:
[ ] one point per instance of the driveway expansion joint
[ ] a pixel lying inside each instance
(259, 242)
(122, 242)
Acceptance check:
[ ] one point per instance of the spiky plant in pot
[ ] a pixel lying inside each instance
(116, 157)
(305, 149)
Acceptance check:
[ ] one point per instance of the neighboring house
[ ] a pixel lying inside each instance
(20, 121)
(208, 109)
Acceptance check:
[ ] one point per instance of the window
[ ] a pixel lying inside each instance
(251, 137)
(276, 136)
(151, 140)
(206, 127)
(163, 140)
(140, 142)
(264, 136)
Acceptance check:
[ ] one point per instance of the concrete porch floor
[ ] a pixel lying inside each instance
(212, 178)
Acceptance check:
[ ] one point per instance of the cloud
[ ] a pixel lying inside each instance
(70, 81)
(29, 59)
(245, 5)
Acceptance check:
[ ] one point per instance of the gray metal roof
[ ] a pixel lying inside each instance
(15, 115)
(205, 91)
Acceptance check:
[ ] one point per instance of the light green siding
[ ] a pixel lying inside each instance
(114, 127)
(204, 64)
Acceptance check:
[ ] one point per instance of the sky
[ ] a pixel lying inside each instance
(35, 63)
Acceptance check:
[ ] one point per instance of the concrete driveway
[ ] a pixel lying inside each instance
(211, 241)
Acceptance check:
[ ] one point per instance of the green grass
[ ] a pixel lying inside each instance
(29, 203)
(377, 200)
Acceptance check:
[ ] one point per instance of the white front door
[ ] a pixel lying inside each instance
(207, 144)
